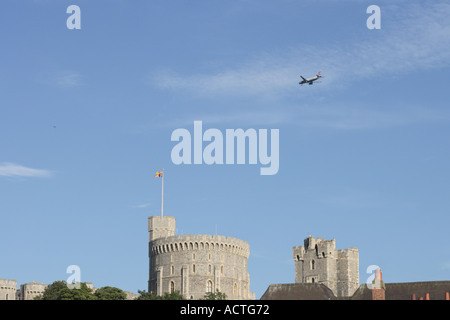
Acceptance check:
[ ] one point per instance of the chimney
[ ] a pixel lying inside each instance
(447, 296)
(378, 287)
(427, 296)
(413, 296)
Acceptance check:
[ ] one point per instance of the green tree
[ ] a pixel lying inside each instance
(176, 295)
(110, 293)
(58, 290)
(215, 295)
(143, 295)
(84, 293)
(54, 290)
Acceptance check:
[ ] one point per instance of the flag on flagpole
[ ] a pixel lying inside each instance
(159, 174)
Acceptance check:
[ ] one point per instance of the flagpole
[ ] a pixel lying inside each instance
(162, 193)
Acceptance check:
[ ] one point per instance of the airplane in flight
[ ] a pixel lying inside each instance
(310, 80)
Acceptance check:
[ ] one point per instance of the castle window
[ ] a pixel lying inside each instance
(193, 268)
(298, 258)
(209, 286)
(221, 269)
(193, 256)
(209, 268)
(312, 280)
(235, 289)
(172, 287)
(313, 265)
(172, 270)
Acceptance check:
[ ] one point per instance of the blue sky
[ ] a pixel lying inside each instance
(87, 115)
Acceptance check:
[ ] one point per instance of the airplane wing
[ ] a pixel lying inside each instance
(303, 78)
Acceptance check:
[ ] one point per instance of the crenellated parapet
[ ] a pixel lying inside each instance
(200, 242)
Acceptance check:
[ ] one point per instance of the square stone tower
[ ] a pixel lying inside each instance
(318, 261)
(161, 227)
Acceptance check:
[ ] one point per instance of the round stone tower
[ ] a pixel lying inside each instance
(196, 264)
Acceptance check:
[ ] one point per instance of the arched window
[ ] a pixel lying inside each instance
(172, 287)
(209, 286)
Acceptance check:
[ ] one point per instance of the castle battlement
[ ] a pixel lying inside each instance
(8, 283)
(200, 242)
(318, 261)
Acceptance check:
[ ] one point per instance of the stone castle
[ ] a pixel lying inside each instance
(318, 261)
(27, 291)
(196, 264)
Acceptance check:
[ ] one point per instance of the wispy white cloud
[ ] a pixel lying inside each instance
(141, 206)
(14, 170)
(247, 118)
(354, 117)
(69, 79)
(446, 265)
(414, 36)
(336, 116)
(62, 79)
